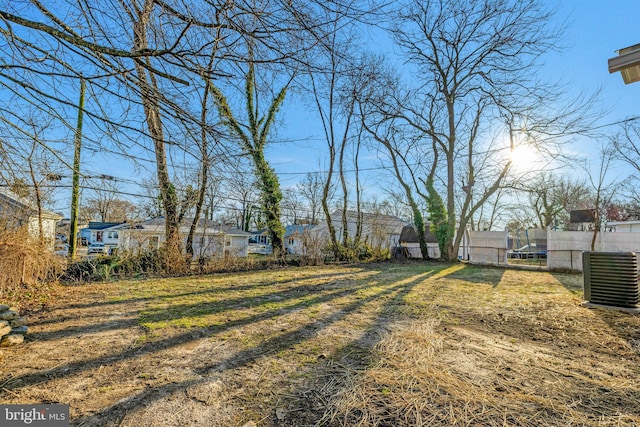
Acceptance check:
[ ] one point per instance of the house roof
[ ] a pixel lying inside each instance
(291, 230)
(611, 223)
(388, 221)
(95, 225)
(22, 204)
(203, 223)
(410, 235)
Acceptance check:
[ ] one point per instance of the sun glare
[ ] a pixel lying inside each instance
(524, 158)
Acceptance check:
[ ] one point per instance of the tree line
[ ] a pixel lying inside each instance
(188, 94)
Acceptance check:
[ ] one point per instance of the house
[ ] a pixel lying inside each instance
(294, 238)
(17, 211)
(211, 239)
(624, 226)
(260, 243)
(378, 231)
(64, 225)
(102, 232)
(410, 242)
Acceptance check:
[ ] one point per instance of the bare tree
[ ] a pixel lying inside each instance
(492, 212)
(204, 154)
(311, 190)
(30, 169)
(475, 64)
(379, 104)
(109, 209)
(253, 138)
(604, 189)
(141, 57)
(292, 206)
(242, 197)
(335, 95)
(627, 144)
(552, 197)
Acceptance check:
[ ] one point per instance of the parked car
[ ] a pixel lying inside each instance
(257, 248)
(97, 248)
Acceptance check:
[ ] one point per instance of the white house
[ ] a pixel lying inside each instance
(103, 232)
(260, 243)
(294, 238)
(17, 211)
(378, 231)
(624, 226)
(210, 239)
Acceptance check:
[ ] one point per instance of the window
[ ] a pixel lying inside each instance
(113, 234)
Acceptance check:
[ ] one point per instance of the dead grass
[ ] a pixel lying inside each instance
(28, 270)
(380, 345)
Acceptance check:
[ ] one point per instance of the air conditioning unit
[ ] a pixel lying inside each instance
(611, 279)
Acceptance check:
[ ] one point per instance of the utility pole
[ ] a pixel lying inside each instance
(75, 185)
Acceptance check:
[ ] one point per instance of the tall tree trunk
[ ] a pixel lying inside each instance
(271, 198)
(204, 174)
(253, 143)
(75, 185)
(449, 254)
(150, 102)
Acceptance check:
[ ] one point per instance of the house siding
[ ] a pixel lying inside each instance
(378, 231)
(207, 241)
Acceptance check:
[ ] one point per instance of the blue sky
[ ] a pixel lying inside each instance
(594, 31)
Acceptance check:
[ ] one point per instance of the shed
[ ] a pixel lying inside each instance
(410, 241)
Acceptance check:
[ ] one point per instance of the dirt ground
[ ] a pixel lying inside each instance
(381, 345)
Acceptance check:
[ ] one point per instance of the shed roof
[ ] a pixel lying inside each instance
(410, 235)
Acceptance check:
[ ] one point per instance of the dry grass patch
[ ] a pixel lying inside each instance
(377, 345)
(493, 347)
(28, 269)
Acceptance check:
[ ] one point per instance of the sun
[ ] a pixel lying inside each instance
(523, 158)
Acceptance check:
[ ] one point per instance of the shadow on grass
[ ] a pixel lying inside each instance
(162, 314)
(201, 279)
(572, 282)
(474, 274)
(192, 334)
(589, 397)
(82, 330)
(117, 412)
(356, 355)
(626, 325)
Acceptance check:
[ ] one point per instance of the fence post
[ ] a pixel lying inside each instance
(571, 258)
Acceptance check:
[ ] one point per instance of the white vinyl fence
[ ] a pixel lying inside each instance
(488, 247)
(564, 248)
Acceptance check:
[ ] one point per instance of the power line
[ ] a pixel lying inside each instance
(381, 219)
(368, 169)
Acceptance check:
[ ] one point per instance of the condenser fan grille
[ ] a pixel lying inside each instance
(611, 278)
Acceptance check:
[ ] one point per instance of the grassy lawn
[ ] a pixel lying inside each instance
(377, 345)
